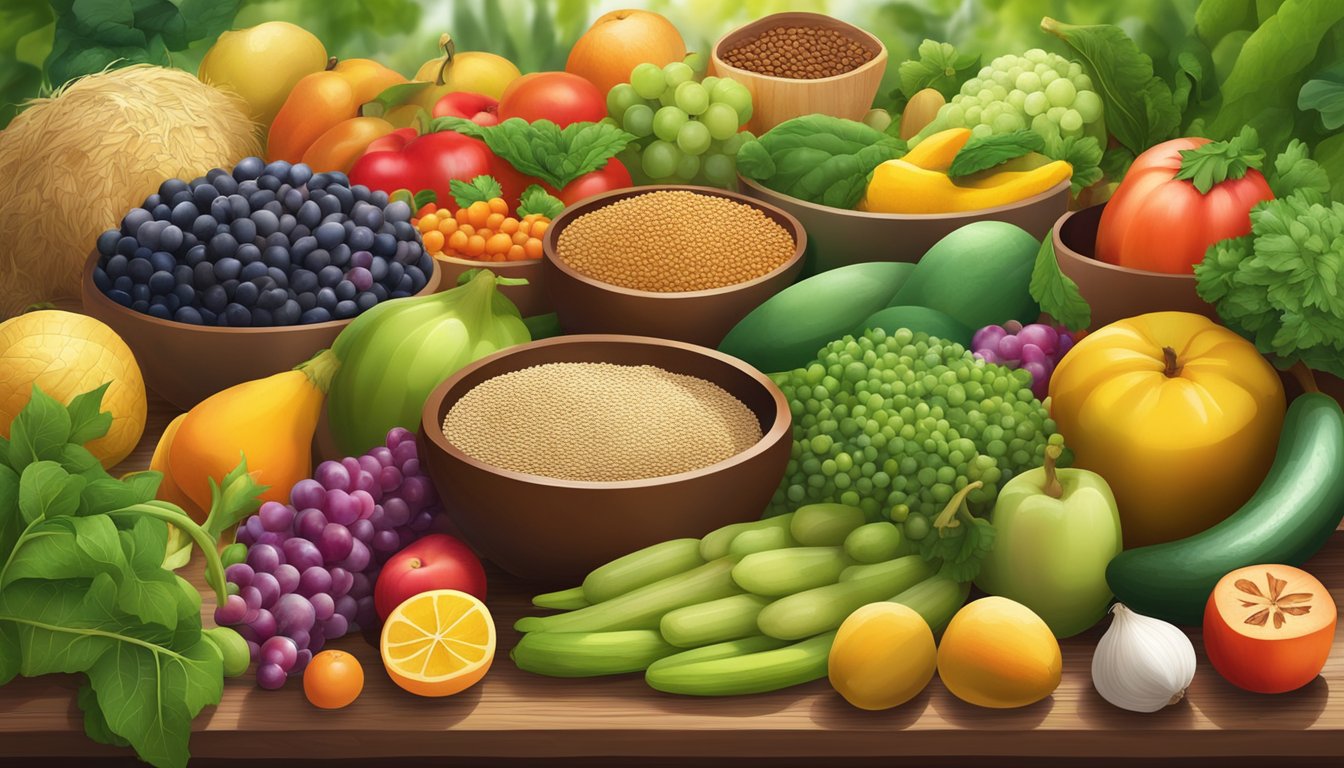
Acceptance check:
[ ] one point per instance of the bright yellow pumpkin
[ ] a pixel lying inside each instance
(68, 354)
(1180, 415)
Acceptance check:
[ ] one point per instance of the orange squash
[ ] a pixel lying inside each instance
(270, 421)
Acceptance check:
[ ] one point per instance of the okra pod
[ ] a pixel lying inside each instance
(643, 607)
(590, 654)
(716, 674)
(564, 600)
(727, 618)
(825, 525)
(877, 542)
(822, 609)
(714, 544)
(779, 572)
(640, 568)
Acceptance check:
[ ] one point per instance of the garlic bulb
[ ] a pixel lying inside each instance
(1142, 664)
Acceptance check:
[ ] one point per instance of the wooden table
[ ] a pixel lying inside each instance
(512, 718)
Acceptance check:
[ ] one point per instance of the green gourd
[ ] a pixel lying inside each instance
(395, 354)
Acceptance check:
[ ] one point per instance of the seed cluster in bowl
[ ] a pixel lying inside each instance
(600, 422)
(799, 53)
(673, 241)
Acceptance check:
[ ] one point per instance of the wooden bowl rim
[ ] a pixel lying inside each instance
(91, 293)
(1063, 251)
(1023, 203)
(860, 34)
(431, 426)
(493, 266)
(549, 244)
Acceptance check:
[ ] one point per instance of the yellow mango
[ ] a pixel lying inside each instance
(882, 657)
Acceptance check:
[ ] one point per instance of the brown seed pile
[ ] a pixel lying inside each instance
(674, 241)
(799, 53)
(599, 422)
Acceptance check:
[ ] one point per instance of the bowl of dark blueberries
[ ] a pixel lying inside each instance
(246, 272)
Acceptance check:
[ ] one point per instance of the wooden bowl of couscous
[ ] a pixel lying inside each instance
(669, 261)
(556, 456)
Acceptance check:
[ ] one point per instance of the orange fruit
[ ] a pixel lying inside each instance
(438, 643)
(333, 679)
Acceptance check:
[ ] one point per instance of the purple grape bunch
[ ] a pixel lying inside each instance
(311, 564)
(1036, 348)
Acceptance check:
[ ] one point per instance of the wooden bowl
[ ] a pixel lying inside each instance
(839, 237)
(530, 299)
(187, 363)
(1113, 292)
(586, 305)
(776, 99)
(557, 530)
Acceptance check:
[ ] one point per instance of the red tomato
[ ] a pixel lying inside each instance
(402, 160)
(437, 561)
(559, 97)
(608, 178)
(1156, 223)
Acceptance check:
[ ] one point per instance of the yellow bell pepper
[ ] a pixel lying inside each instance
(935, 152)
(1180, 415)
(899, 186)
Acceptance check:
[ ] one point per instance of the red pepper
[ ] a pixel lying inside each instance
(402, 160)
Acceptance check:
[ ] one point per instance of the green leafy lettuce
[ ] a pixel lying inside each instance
(84, 590)
(818, 158)
(1282, 286)
(543, 149)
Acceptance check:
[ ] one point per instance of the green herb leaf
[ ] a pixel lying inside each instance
(95, 722)
(69, 548)
(1057, 295)
(233, 499)
(1140, 108)
(1294, 170)
(480, 189)
(87, 419)
(818, 158)
(1189, 73)
(47, 491)
(77, 460)
(1083, 153)
(542, 149)
(1326, 97)
(984, 152)
(539, 201)
(39, 432)
(940, 67)
(1211, 164)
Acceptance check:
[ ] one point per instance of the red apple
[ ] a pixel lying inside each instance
(559, 97)
(437, 561)
(478, 108)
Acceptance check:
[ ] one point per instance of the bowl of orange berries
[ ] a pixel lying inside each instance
(478, 231)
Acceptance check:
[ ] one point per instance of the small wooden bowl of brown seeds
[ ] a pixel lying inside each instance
(798, 64)
(673, 262)
(556, 456)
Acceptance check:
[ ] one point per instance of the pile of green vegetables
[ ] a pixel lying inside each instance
(749, 608)
(84, 588)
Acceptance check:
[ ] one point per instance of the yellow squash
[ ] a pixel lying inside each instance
(936, 152)
(1180, 416)
(899, 186)
(270, 421)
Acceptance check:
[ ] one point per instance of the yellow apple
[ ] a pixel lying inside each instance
(471, 71)
(262, 64)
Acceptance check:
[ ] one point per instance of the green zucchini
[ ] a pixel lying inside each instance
(786, 331)
(590, 654)
(1289, 518)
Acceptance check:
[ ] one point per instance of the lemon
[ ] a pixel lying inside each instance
(67, 354)
(882, 657)
(438, 643)
(998, 653)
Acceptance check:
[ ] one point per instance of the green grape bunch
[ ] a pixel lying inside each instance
(898, 424)
(687, 129)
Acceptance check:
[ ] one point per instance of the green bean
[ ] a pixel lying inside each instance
(641, 567)
(727, 618)
(564, 600)
(643, 607)
(825, 525)
(716, 674)
(760, 540)
(714, 544)
(876, 542)
(821, 609)
(779, 572)
(589, 654)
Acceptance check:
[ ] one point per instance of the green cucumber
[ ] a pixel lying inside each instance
(779, 572)
(817, 610)
(570, 599)
(1289, 518)
(759, 672)
(589, 654)
(717, 542)
(788, 329)
(641, 567)
(825, 525)
(727, 618)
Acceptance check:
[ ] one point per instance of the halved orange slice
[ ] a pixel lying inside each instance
(438, 643)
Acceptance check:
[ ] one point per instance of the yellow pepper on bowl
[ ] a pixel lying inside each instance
(919, 181)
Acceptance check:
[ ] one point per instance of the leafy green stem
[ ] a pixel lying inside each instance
(214, 567)
(87, 632)
(24, 537)
(1211, 164)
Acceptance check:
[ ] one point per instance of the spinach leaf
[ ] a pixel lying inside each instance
(818, 158)
(39, 432)
(1055, 292)
(984, 152)
(46, 490)
(87, 419)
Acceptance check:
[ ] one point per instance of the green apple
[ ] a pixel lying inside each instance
(1055, 532)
